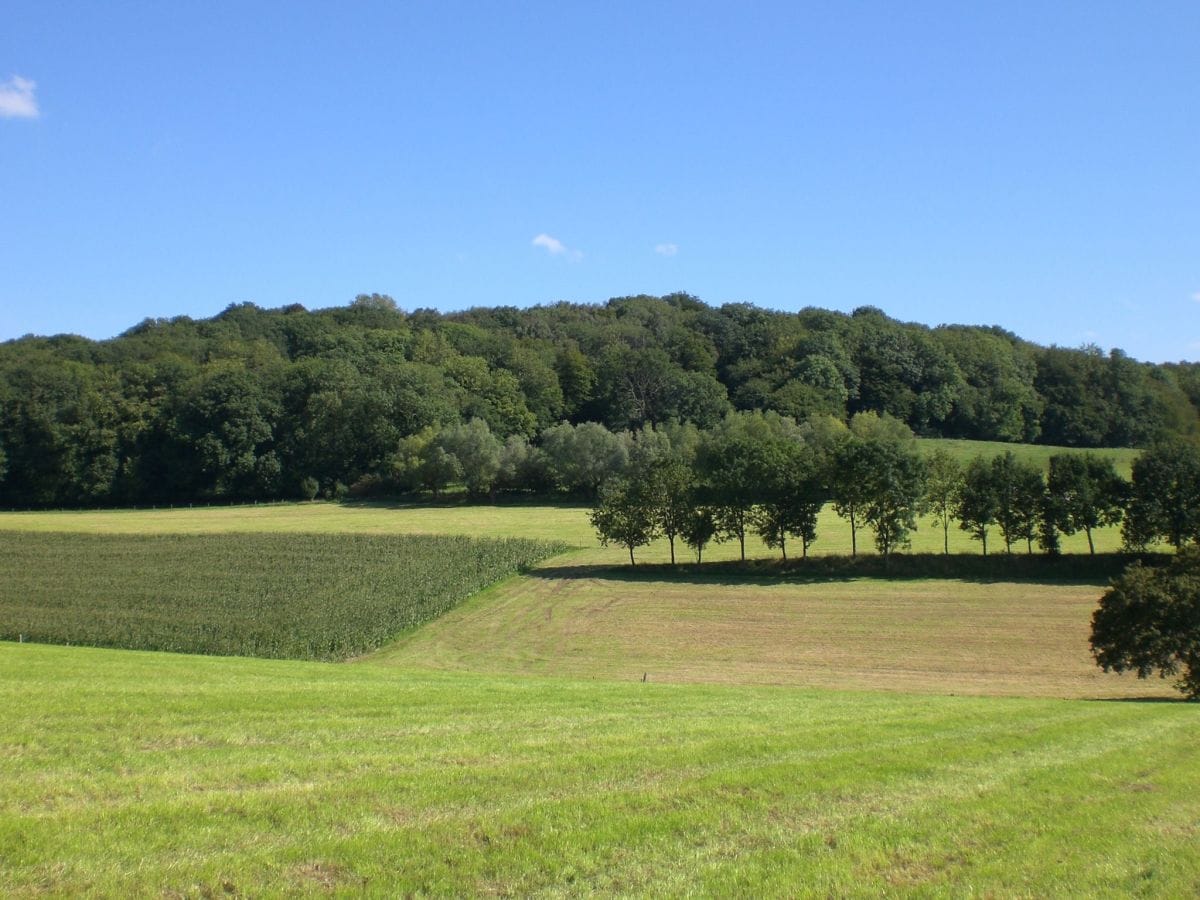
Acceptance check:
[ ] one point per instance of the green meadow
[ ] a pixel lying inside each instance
(1039, 454)
(137, 774)
(575, 728)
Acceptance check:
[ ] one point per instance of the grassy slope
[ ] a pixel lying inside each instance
(965, 451)
(938, 636)
(128, 773)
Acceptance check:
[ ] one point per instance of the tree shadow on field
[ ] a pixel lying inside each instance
(1072, 569)
(460, 500)
(1179, 699)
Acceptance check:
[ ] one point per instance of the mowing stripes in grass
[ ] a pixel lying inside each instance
(138, 774)
(298, 596)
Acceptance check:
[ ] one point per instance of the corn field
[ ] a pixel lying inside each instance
(304, 596)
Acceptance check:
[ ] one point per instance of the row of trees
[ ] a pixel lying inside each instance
(765, 474)
(263, 404)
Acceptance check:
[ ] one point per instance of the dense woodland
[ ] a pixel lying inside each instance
(368, 398)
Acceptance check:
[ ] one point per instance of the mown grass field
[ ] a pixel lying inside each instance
(936, 636)
(136, 774)
(270, 595)
(794, 736)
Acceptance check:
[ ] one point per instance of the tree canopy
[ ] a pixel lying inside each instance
(260, 403)
(1149, 621)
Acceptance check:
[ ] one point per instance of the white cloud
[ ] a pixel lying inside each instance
(666, 249)
(555, 247)
(553, 244)
(17, 100)
(1196, 296)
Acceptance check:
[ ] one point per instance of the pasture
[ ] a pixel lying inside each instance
(126, 773)
(1038, 454)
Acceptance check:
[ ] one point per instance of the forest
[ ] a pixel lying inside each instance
(367, 398)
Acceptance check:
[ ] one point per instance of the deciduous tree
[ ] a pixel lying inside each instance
(624, 515)
(977, 502)
(1084, 492)
(942, 486)
(1149, 621)
(1165, 496)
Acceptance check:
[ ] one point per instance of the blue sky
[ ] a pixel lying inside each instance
(1027, 164)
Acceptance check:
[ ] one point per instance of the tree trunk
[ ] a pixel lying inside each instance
(742, 541)
(946, 536)
(853, 536)
(631, 562)
(783, 545)
(671, 539)
(984, 536)
(1091, 546)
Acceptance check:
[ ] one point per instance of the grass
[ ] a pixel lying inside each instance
(557, 523)
(562, 523)
(796, 735)
(271, 595)
(137, 774)
(937, 636)
(1039, 454)
(586, 615)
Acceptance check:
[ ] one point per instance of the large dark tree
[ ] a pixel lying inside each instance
(1149, 621)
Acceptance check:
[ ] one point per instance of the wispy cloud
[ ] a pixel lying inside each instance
(1196, 296)
(555, 247)
(666, 249)
(17, 100)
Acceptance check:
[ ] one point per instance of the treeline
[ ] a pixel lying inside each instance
(765, 474)
(270, 404)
